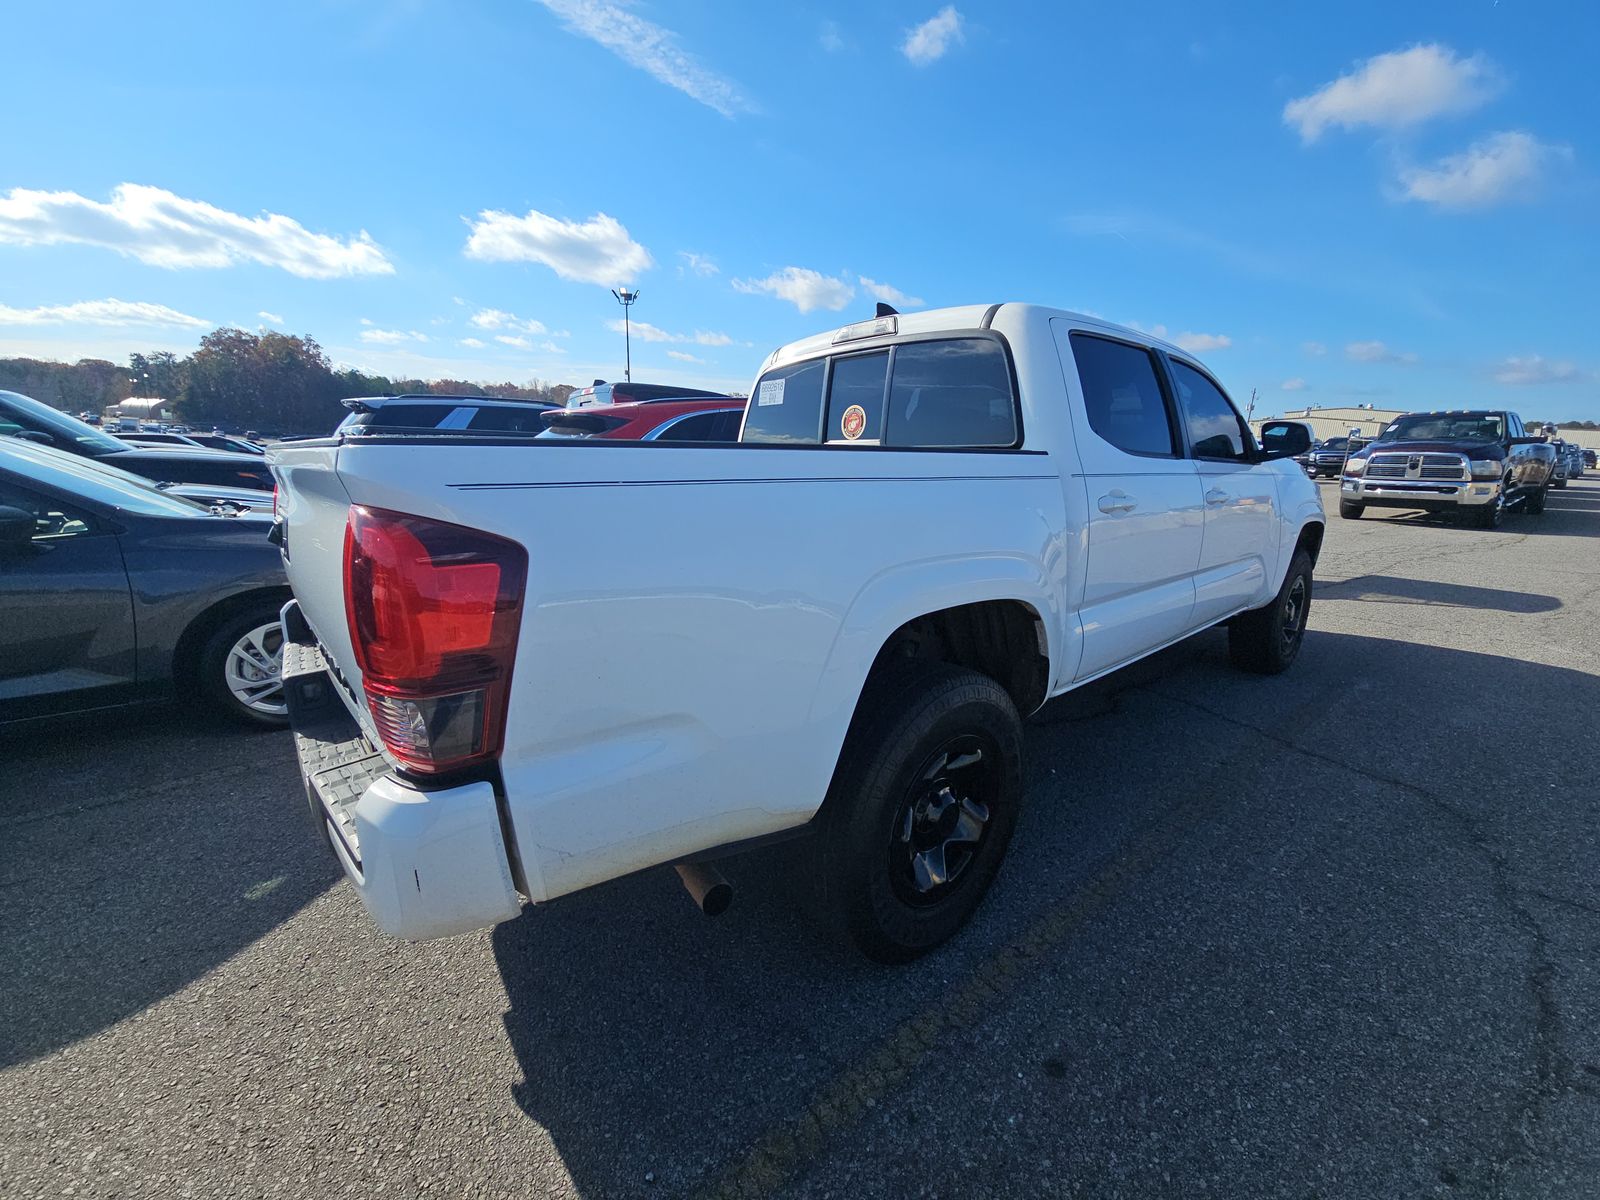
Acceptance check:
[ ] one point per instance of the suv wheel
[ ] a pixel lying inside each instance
(1266, 640)
(241, 665)
(921, 808)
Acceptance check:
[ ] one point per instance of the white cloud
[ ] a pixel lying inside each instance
(1394, 90)
(929, 42)
(889, 294)
(698, 263)
(1199, 343)
(1523, 372)
(513, 339)
(830, 38)
(1503, 166)
(161, 229)
(474, 343)
(647, 332)
(598, 250)
(552, 348)
(101, 312)
(368, 321)
(1376, 352)
(1294, 385)
(495, 318)
(1315, 349)
(801, 287)
(270, 318)
(652, 49)
(682, 357)
(391, 337)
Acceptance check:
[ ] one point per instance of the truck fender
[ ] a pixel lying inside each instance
(905, 592)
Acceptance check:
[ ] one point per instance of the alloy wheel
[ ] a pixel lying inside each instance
(253, 670)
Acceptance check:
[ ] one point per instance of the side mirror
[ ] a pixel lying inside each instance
(1284, 439)
(16, 530)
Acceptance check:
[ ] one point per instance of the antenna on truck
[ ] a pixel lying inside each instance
(885, 310)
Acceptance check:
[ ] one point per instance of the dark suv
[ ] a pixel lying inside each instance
(1328, 458)
(480, 414)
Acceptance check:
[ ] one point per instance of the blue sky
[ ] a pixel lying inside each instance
(1395, 204)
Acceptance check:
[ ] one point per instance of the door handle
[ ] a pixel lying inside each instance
(1216, 496)
(1117, 501)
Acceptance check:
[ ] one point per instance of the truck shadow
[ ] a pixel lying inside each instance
(123, 879)
(1397, 589)
(656, 1047)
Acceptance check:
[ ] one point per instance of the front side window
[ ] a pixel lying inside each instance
(1122, 396)
(855, 398)
(1215, 430)
(52, 520)
(952, 392)
(786, 407)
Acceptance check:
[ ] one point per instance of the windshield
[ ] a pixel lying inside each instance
(95, 481)
(65, 431)
(1459, 427)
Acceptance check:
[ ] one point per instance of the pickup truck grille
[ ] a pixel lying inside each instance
(1417, 466)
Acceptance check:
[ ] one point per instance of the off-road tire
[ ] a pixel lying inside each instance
(906, 718)
(1267, 639)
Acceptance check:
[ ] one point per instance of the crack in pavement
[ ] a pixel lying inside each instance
(1552, 1067)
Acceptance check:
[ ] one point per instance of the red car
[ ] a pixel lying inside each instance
(650, 421)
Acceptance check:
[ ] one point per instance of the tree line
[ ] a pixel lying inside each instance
(273, 382)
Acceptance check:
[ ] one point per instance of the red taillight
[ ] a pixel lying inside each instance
(433, 611)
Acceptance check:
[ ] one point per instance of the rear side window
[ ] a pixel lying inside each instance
(507, 420)
(955, 392)
(855, 398)
(787, 405)
(1122, 396)
(400, 416)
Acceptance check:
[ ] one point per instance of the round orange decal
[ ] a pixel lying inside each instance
(853, 422)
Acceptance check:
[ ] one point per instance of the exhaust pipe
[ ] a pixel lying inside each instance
(705, 883)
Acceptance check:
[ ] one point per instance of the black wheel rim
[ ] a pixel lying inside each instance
(941, 825)
(1294, 613)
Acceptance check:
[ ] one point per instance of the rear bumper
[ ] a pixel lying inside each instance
(1442, 496)
(425, 862)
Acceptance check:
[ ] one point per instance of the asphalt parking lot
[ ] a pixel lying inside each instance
(1333, 934)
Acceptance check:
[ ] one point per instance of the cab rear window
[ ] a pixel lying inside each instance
(941, 393)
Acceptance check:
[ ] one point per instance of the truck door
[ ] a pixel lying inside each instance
(1146, 515)
(66, 616)
(1241, 498)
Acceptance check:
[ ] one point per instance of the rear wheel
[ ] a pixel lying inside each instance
(1350, 510)
(240, 671)
(1534, 504)
(921, 808)
(1266, 640)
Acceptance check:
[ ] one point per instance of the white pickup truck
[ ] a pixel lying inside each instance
(517, 668)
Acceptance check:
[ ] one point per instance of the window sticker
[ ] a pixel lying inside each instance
(771, 392)
(853, 421)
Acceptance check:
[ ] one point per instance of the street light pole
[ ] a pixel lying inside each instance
(626, 299)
